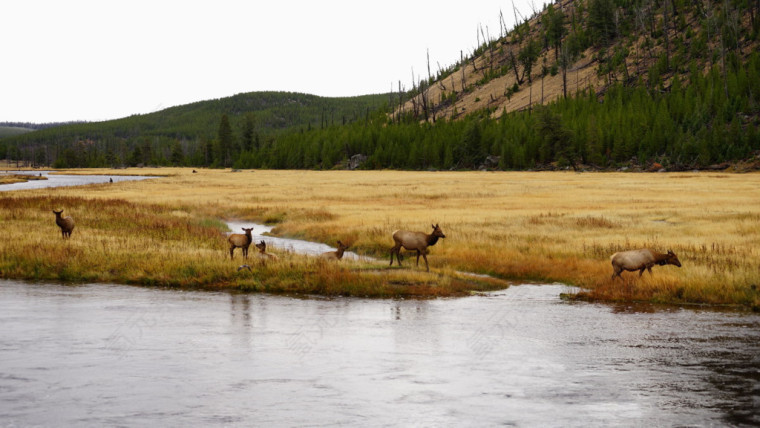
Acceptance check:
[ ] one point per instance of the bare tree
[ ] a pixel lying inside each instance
(564, 62)
(513, 63)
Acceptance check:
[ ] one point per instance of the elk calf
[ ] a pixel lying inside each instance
(262, 246)
(415, 241)
(65, 223)
(335, 255)
(240, 240)
(640, 260)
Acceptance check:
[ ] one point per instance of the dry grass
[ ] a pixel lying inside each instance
(18, 178)
(515, 225)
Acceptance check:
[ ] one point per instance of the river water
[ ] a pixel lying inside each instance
(111, 355)
(60, 180)
(261, 232)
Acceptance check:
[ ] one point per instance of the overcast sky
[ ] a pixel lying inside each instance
(100, 60)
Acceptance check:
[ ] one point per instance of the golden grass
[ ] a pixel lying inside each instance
(548, 226)
(18, 178)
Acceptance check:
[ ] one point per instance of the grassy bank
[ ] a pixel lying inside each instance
(18, 178)
(515, 226)
(157, 245)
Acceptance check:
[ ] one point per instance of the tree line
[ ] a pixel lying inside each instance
(685, 126)
(185, 135)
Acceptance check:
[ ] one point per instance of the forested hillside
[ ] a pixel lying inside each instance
(600, 84)
(205, 133)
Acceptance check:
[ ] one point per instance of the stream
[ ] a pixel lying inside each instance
(62, 180)
(261, 231)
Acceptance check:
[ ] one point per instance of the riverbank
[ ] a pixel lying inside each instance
(10, 178)
(152, 245)
(514, 226)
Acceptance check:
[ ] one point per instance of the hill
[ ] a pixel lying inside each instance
(253, 118)
(581, 45)
(586, 84)
(9, 131)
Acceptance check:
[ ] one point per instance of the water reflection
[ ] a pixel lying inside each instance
(112, 355)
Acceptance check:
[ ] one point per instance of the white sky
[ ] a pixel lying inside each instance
(106, 59)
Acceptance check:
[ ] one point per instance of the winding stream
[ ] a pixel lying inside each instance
(260, 232)
(112, 355)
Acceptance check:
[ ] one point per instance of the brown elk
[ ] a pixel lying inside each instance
(65, 223)
(262, 246)
(639, 260)
(415, 241)
(335, 255)
(240, 240)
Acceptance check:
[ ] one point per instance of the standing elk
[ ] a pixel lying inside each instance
(65, 223)
(639, 260)
(240, 240)
(415, 241)
(335, 255)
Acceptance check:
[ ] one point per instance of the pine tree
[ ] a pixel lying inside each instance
(178, 156)
(224, 142)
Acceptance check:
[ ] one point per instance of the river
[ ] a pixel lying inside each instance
(61, 180)
(112, 355)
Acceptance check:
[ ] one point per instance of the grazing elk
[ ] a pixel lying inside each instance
(335, 255)
(640, 260)
(415, 241)
(65, 223)
(240, 240)
(262, 246)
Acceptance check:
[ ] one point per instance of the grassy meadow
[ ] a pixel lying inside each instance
(514, 226)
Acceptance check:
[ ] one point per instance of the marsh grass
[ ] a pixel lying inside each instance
(18, 178)
(155, 245)
(514, 226)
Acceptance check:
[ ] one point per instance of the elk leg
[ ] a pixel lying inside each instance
(396, 250)
(641, 272)
(418, 258)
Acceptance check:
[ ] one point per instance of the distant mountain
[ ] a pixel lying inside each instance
(9, 131)
(256, 115)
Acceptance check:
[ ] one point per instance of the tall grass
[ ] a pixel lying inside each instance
(158, 245)
(526, 226)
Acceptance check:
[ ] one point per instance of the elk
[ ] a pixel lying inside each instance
(335, 255)
(240, 240)
(262, 246)
(640, 260)
(415, 241)
(65, 223)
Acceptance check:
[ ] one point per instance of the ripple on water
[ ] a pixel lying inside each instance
(518, 356)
